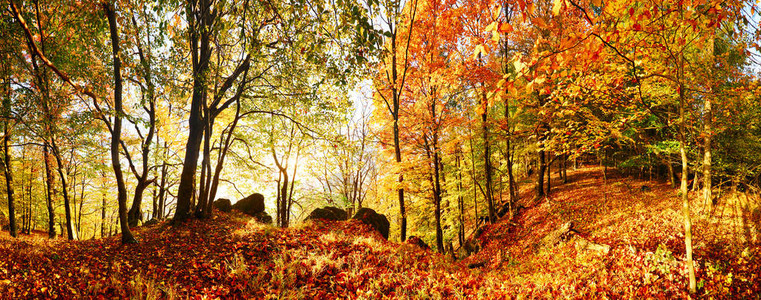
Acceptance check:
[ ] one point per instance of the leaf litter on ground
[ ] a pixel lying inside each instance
(230, 256)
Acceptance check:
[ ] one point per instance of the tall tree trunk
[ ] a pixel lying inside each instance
(200, 21)
(224, 148)
(7, 162)
(400, 190)
(282, 191)
(397, 147)
(278, 190)
(40, 75)
(49, 177)
(696, 180)
(284, 199)
(473, 178)
(23, 213)
(685, 198)
(135, 212)
(707, 134)
(437, 199)
(549, 175)
(205, 178)
(432, 153)
(540, 175)
(74, 215)
(162, 192)
(154, 203)
(512, 185)
(50, 193)
(460, 200)
(103, 216)
(509, 153)
(81, 205)
(487, 157)
(29, 190)
(64, 189)
(127, 236)
(397, 86)
(292, 188)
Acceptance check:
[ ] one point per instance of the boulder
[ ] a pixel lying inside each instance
(263, 217)
(328, 213)
(340, 213)
(374, 219)
(413, 240)
(223, 204)
(250, 205)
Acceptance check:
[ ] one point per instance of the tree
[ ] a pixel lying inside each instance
(431, 94)
(670, 38)
(347, 174)
(127, 236)
(7, 95)
(114, 128)
(200, 17)
(395, 14)
(478, 73)
(148, 104)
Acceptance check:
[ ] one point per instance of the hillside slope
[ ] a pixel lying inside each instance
(641, 222)
(230, 257)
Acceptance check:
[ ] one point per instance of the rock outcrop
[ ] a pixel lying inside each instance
(374, 219)
(250, 205)
(328, 213)
(223, 204)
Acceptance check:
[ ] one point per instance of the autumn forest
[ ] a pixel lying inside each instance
(367, 149)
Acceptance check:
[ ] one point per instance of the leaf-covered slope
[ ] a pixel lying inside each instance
(230, 257)
(641, 221)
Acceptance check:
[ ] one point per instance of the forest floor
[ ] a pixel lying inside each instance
(231, 257)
